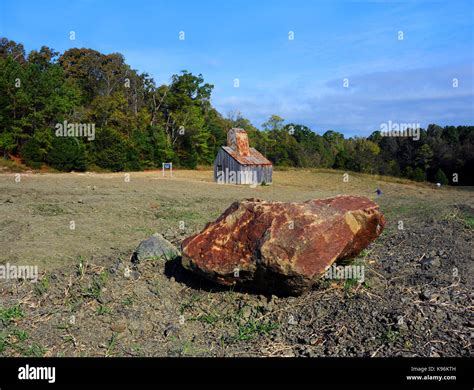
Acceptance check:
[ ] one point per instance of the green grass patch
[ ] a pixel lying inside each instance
(252, 329)
(42, 286)
(20, 334)
(189, 304)
(391, 336)
(48, 210)
(34, 350)
(128, 301)
(208, 318)
(94, 291)
(469, 221)
(9, 314)
(103, 310)
(350, 283)
(111, 345)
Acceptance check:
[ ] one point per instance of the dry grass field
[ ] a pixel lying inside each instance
(163, 311)
(112, 214)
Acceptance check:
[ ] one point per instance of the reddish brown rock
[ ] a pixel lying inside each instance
(282, 247)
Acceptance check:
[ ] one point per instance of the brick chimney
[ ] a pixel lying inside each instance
(238, 140)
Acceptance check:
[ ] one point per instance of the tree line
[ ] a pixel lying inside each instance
(139, 125)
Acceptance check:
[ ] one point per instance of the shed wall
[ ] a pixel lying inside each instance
(236, 173)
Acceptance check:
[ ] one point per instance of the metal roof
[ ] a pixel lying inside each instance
(254, 157)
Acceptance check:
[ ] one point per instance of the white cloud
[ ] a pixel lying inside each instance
(423, 95)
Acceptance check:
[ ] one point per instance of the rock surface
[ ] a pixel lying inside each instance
(155, 247)
(280, 247)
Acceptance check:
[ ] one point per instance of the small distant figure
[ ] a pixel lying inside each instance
(378, 191)
(438, 184)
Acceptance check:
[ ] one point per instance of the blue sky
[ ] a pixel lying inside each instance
(405, 81)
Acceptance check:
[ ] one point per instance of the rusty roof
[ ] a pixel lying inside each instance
(254, 157)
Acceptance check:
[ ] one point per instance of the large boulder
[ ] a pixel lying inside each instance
(282, 248)
(155, 247)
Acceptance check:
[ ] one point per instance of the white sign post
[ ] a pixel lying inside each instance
(167, 166)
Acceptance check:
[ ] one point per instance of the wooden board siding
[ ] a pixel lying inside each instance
(243, 174)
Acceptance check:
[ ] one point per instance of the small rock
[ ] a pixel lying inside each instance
(155, 247)
(434, 354)
(171, 329)
(401, 325)
(269, 306)
(246, 312)
(431, 262)
(425, 295)
(303, 340)
(118, 326)
(117, 267)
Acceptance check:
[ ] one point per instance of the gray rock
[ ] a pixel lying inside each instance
(155, 247)
(246, 312)
(432, 262)
(171, 329)
(425, 295)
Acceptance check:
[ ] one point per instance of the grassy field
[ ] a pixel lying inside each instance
(415, 300)
(111, 213)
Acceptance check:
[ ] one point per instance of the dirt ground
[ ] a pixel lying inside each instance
(81, 228)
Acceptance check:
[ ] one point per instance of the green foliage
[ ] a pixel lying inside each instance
(42, 286)
(469, 219)
(9, 314)
(419, 174)
(140, 125)
(254, 328)
(424, 155)
(67, 154)
(94, 290)
(32, 153)
(109, 149)
(274, 123)
(361, 155)
(440, 177)
(103, 310)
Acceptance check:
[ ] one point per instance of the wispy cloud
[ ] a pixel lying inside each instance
(424, 95)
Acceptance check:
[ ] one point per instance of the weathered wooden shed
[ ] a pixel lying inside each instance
(238, 163)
